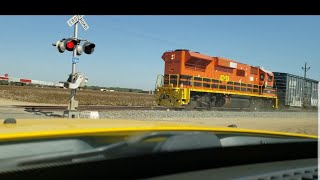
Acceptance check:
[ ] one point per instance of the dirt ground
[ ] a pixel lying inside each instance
(306, 123)
(85, 97)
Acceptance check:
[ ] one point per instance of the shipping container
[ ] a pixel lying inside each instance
(295, 91)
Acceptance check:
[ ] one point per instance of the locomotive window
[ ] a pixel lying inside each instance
(240, 72)
(269, 78)
(254, 70)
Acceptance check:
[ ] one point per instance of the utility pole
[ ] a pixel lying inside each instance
(305, 69)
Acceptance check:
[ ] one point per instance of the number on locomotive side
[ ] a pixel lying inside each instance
(224, 78)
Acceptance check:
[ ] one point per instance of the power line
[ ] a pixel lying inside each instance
(151, 37)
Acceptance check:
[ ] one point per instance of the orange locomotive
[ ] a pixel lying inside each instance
(196, 80)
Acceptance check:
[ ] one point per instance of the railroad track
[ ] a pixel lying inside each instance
(89, 108)
(123, 108)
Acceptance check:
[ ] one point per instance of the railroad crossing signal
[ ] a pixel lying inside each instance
(73, 44)
(78, 18)
(74, 19)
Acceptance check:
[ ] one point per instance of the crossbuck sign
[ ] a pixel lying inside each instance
(78, 18)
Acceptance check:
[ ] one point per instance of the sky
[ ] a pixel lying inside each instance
(129, 48)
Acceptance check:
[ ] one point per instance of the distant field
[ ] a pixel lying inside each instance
(85, 97)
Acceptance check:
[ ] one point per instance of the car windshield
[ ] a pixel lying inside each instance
(99, 83)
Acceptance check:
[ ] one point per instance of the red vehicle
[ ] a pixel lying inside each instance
(197, 80)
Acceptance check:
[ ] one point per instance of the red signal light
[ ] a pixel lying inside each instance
(70, 45)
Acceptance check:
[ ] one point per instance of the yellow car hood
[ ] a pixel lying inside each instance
(42, 128)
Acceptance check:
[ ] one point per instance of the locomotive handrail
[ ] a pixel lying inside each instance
(177, 80)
